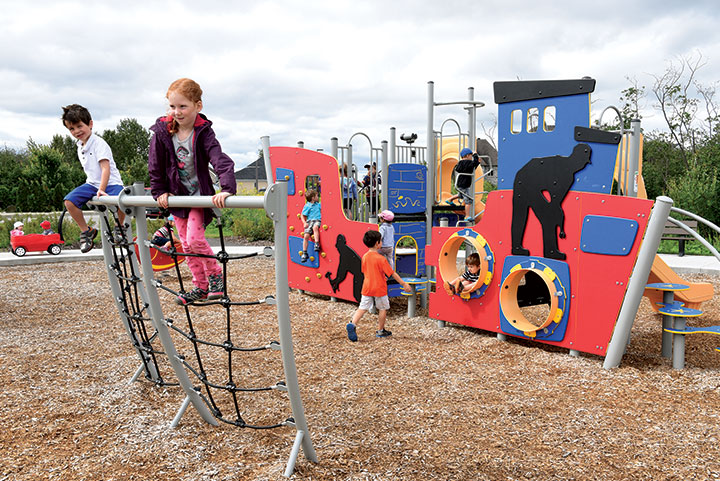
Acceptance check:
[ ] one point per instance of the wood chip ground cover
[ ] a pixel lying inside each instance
(428, 403)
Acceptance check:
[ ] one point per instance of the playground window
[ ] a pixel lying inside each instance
(549, 118)
(533, 117)
(516, 121)
(312, 182)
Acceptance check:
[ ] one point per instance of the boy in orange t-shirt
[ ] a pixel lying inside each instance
(376, 269)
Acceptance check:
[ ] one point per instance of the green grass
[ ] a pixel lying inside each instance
(693, 247)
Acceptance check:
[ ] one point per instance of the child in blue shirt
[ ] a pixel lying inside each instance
(387, 231)
(311, 221)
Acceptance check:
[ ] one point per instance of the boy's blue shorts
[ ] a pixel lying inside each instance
(80, 195)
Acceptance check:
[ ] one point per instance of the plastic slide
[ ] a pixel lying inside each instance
(698, 293)
(449, 156)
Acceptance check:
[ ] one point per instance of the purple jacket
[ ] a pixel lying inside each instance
(162, 163)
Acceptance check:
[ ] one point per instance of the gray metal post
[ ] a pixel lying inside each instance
(383, 177)
(637, 281)
(393, 146)
(633, 161)
(472, 111)
(265, 141)
(678, 355)
(334, 148)
(667, 323)
(431, 156)
(276, 207)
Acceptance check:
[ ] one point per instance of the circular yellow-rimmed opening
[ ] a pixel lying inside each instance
(509, 300)
(448, 259)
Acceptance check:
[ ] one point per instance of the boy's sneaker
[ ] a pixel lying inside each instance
(304, 257)
(469, 219)
(195, 295)
(449, 202)
(317, 247)
(352, 335)
(118, 234)
(216, 287)
(383, 333)
(87, 238)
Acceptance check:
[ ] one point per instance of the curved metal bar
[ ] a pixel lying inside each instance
(697, 236)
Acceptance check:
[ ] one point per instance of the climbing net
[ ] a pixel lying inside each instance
(228, 344)
(221, 354)
(131, 298)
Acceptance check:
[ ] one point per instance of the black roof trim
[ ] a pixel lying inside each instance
(540, 89)
(584, 134)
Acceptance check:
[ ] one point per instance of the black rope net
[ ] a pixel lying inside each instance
(226, 368)
(131, 303)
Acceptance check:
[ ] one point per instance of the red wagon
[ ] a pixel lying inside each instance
(22, 244)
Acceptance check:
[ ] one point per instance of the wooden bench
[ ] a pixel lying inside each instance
(673, 232)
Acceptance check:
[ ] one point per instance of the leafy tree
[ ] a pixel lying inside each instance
(130, 143)
(680, 96)
(46, 179)
(11, 164)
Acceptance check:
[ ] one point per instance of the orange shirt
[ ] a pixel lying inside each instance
(376, 270)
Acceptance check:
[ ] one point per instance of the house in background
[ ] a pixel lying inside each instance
(252, 178)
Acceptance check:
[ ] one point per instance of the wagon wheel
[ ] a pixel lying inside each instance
(54, 249)
(19, 251)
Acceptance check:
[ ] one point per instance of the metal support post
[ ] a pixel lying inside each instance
(637, 281)
(633, 162)
(276, 207)
(431, 156)
(383, 186)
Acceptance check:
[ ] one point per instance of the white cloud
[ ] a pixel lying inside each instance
(315, 70)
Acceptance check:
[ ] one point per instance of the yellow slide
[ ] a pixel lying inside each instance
(448, 157)
(698, 292)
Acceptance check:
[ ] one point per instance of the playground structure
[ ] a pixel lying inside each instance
(583, 257)
(131, 267)
(552, 236)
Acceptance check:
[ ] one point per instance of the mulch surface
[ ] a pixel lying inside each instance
(428, 403)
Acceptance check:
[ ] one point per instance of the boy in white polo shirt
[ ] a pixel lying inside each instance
(103, 177)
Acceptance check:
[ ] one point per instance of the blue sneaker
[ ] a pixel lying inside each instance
(352, 335)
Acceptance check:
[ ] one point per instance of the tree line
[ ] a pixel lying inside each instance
(681, 160)
(37, 178)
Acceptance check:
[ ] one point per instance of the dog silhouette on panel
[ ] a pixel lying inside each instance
(349, 262)
(545, 175)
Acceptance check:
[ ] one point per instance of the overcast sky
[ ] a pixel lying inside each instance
(312, 70)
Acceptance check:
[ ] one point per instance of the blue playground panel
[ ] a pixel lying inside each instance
(516, 149)
(295, 244)
(406, 188)
(282, 174)
(613, 236)
(556, 330)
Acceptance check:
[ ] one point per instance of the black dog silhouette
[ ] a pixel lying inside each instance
(349, 262)
(554, 175)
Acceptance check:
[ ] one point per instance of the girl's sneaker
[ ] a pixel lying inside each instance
(216, 287)
(195, 295)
